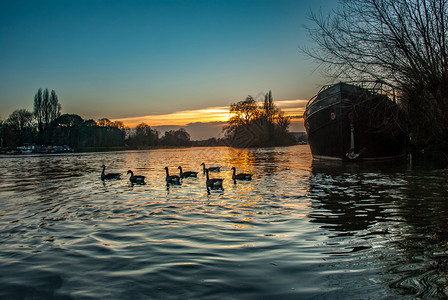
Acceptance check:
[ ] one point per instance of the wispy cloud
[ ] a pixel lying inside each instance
(180, 118)
(293, 108)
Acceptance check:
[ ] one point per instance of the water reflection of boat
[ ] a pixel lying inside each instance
(343, 168)
(348, 122)
(352, 197)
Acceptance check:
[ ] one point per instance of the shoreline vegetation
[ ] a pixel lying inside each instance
(250, 125)
(195, 144)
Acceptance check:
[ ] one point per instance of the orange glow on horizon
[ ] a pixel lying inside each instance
(180, 118)
(293, 108)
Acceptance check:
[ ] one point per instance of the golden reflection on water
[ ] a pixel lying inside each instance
(242, 159)
(238, 246)
(278, 173)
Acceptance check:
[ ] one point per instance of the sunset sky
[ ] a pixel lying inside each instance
(166, 63)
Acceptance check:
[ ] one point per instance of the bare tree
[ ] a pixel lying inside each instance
(269, 107)
(46, 108)
(403, 43)
(243, 112)
(54, 110)
(21, 124)
(20, 119)
(38, 109)
(256, 125)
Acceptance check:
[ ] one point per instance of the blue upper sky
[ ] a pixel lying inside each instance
(120, 59)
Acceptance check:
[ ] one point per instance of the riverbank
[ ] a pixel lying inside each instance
(58, 149)
(125, 148)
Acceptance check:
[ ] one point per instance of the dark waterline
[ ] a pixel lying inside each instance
(300, 229)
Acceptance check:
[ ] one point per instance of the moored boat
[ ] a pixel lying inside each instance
(350, 122)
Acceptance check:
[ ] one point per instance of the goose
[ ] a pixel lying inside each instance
(211, 169)
(171, 178)
(214, 183)
(139, 179)
(241, 176)
(186, 174)
(110, 175)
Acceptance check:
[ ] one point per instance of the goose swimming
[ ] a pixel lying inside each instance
(240, 176)
(138, 179)
(110, 175)
(187, 174)
(171, 178)
(213, 183)
(211, 169)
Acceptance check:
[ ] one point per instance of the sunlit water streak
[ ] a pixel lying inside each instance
(300, 229)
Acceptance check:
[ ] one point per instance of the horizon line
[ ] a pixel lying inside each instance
(292, 108)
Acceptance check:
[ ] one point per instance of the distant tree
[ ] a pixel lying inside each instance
(104, 122)
(20, 119)
(39, 109)
(403, 43)
(65, 130)
(89, 123)
(69, 120)
(54, 108)
(254, 125)
(283, 121)
(114, 137)
(118, 124)
(2, 133)
(176, 138)
(20, 124)
(72, 130)
(102, 133)
(46, 109)
(182, 137)
(270, 110)
(144, 135)
(244, 112)
(88, 137)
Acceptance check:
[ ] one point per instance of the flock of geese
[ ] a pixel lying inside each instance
(211, 183)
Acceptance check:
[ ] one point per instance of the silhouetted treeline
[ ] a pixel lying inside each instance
(46, 126)
(74, 131)
(143, 136)
(257, 125)
(250, 125)
(178, 137)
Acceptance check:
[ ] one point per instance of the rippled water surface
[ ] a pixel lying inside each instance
(300, 229)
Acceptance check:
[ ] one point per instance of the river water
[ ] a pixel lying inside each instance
(299, 230)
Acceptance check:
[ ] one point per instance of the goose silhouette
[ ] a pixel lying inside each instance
(186, 174)
(211, 169)
(213, 183)
(240, 176)
(138, 179)
(105, 176)
(174, 179)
